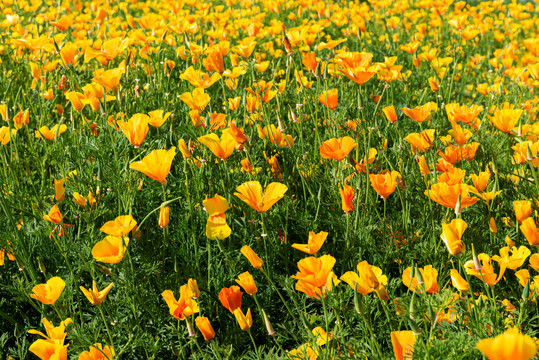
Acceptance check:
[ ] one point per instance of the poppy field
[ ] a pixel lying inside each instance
(269, 179)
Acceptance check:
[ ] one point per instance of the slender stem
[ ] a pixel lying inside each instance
(106, 326)
(281, 296)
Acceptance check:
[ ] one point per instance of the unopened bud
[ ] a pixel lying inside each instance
(526, 291)
(19, 264)
(458, 206)
(529, 156)
(476, 262)
(41, 266)
(175, 350)
(269, 327)
(419, 277)
(190, 327)
(105, 270)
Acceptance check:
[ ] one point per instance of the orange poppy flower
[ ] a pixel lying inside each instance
(164, 216)
(523, 210)
(156, 165)
(158, 117)
(315, 277)
(452, 234)
(347, 198)
(196, 100)
(310, 62)
(111, 249)
(94, 296)
(458, 281)
(135, 129)
(530, 231)
(421, 141)
(389, 112)
(420, 113)
(460, 135)
(447, 195)
(275, 135)
(453, 154)
(246, 47)
(384, 184)
(509, 345)
(480, 181)
(216, 226)
(183, 307)
(429, 274)
(463, 113)
(222, 148)
(244, 320)
(54, 215)
(247, 282)
(369, 278)
(109, 79)
(337, 148)
(486, 272)
(361, 166)
(204, 326)
(329, 98)
(251, 193)
(231, 298)
(314, 244)
(50, 292)
(505, 119)
(198, 78)
(253, 258)
(403, 344)
(98, 352)
(120, 226)
(51, 134)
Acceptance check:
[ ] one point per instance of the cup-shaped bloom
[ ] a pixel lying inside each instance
(135, 129)
(347, 198)
(53, 333)
(534, 262)
(314, 244)
(452, 234)
(94, 296)
(203, 324)
(198, 78)
(51, 134)
(222, 148)
(54, 215)
(76, 99)
(253, 258)
(480, 181)
(250, 192)
(421, 141)
(458, 281)
(337, 149)
(110, 250)
(244, 320)
(193, 287)
(512, 258)
(275, 135)
(315, 276)
(49, 292)
(231, 297)
(197, 100)
(485, 271)
(329, 98)
(530, 231)
(49, 350)
(390, 113)
(156, 165)
(509, 345)
(403, 344)
(216, 226)
(184, 306)
(384, 184)
(448, 195)
(98, 352)
(247, 282)
(420, 113)
(120, 226)
(369, 278)
(158, 117)
(505, 119)
(523, 210)
(430, 278)
(164, 218)
(59, 189)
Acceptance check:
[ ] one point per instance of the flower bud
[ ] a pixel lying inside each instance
(190, 327)
(269, 327)
(164, 216)
(476, 262)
